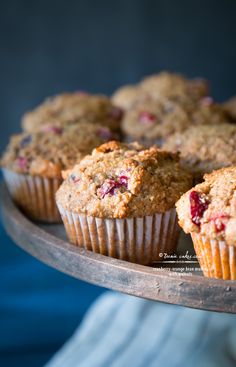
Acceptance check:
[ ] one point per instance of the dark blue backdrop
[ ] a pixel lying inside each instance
(50, 46)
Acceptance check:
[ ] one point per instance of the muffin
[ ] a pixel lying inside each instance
(205, 148)
(152, 121)
(33, 163)
(71, 108)
(230, 107)
(119, 201)
(172, 85)
(125, 96)
(208, 213)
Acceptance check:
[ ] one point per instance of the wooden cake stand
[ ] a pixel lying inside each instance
(169, 282)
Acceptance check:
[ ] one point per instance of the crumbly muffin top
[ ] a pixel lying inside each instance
(49, 152)
(124, 180)
(209, 208)
(172, 85)
(152, 119)
(205, 148)
(70, 108)
(125, 96)
(230, 107)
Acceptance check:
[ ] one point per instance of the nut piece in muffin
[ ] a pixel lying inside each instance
(33, 163)
(119, 201)
(205, 148)
(71, 108)
(208, 213)
(152, 121)
(173, 85)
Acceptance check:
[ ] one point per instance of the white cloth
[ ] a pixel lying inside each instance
(123, 331)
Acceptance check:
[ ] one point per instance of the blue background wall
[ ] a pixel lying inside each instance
(50, 46)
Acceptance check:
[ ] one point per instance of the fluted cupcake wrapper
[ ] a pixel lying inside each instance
(216, 258)
(139, 240)
(34, 195)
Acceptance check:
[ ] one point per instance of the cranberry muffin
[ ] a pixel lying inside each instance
(152, 121)
(71, 108)
(205, 148)
(119, 201)
(208, 213)
(33, 163)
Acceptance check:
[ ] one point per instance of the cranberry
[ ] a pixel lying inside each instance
(105, 133)
(123, 180)
(207, 101)
(109, 186)
(116, 113)
(198, 205)
(25, 141)
(220, 221)
(147, 118)
(54, 129)
(22, 163)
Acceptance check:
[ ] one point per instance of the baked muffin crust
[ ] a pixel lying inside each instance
(152, 120)
(48, 152)
(71, 108)
(124, 180)
(210, 207)
(205, 148)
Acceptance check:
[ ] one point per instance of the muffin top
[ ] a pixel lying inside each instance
(124, 180)
(172, 85)
(205, 148)
(70, 108)
(152, 119)
(230, 107)
(125, 96)
(210, 207)
(48, 152)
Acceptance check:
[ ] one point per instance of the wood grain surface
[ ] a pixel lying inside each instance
(48, 244)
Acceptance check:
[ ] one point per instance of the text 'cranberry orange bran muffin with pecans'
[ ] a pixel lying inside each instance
(205, 148)
(71, 108)
(119, 201)
(33, 163)
(152, 121)
(208, 213)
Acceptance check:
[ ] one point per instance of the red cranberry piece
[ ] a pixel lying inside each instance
(198, 205)
(22, 163)
(207, 101)
(105, 133)
(220, 222)
(108, 187)
(54, 129)
(82, 93)
(116, 113)
(123, 180)
(147, 118)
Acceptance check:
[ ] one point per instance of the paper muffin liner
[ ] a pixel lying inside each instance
(139, 240)
(216, 258)
(34, 195)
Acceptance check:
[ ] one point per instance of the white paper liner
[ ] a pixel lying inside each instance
(216, 258)
(139, 240)
(34, 195)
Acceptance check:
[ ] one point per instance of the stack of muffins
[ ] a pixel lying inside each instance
(118, 198)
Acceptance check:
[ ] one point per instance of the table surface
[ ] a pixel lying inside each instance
(48, 244)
